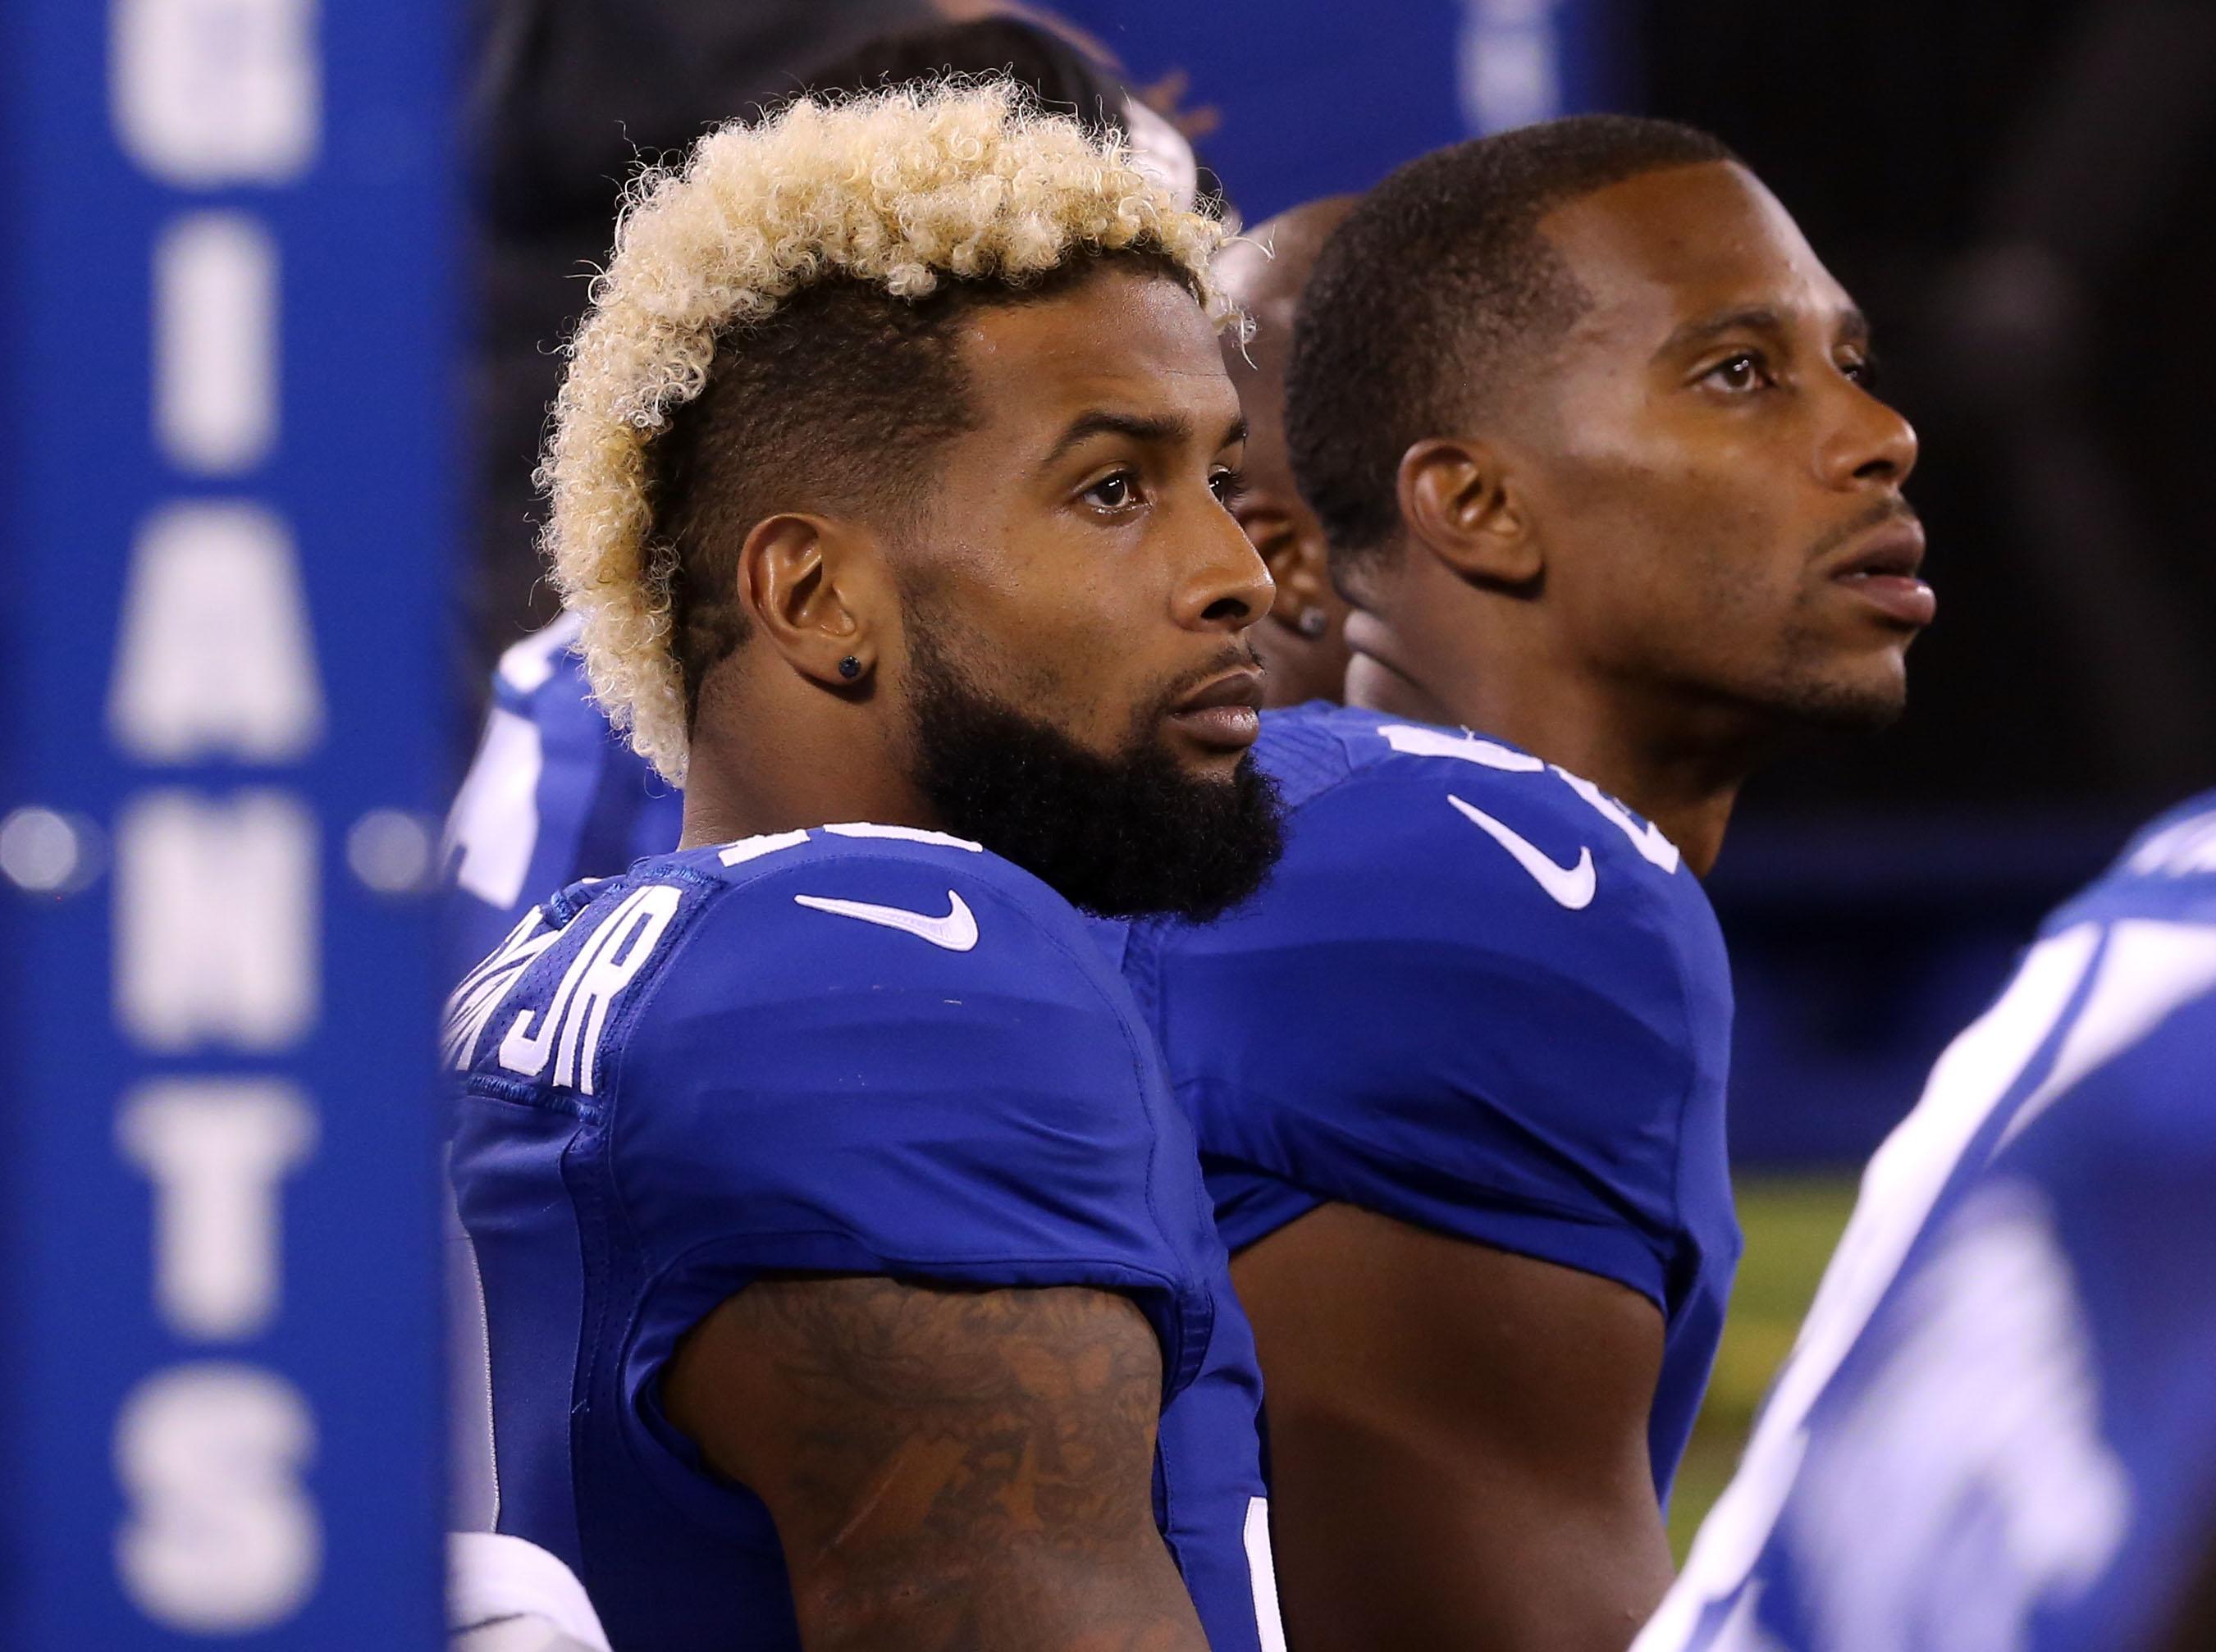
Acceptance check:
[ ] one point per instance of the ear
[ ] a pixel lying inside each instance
(1292, 548)
(1460, 503)
(808, 584)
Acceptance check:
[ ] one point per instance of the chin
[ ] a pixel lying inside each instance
(1866, 697)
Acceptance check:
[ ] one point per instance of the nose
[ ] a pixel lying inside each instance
(1228, 588)
(1870, 442)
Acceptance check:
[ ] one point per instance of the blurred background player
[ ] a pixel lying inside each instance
(554, 794)
(1303, 642)
(848, 1271)
(1587, 425)
(1997, 1430)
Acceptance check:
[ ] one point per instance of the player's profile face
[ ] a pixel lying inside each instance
(1080, 529)
(1716, 465)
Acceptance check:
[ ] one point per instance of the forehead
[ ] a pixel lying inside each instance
(1667, 247)
(1123, 341)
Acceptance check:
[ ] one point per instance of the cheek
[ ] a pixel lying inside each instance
(1056, 625)
(1679, 569)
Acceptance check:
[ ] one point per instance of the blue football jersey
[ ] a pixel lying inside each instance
(858, 1050)
(1477, 995)
(552, 796)
(1997, 1432)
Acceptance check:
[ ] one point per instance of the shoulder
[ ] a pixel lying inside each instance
(1441, 834)
(738, 952)
(2166, 872)
(901, 954)
(836, 896)
(1477, 993)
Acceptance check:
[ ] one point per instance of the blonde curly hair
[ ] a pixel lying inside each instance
(897, 190)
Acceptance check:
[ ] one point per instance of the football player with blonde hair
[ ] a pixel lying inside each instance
(849, 1278)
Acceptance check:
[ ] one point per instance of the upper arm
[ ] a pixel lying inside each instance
(1458, 1440)
(946, 1467)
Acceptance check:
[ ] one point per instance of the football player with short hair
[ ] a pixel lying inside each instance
(1590, 431)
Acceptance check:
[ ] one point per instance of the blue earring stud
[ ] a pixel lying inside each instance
(849, 668)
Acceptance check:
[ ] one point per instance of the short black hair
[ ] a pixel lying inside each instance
(1063, 78)
(1435, 289)
(832, 403)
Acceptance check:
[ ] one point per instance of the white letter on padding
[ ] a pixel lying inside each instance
(216, 1150)
(217, 921)
(216, 657)
(222, 1537)
(215, 343)
(206, 93)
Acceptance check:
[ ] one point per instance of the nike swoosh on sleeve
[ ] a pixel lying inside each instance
(957, 932)
(1568, 886)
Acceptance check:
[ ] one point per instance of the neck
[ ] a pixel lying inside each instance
(1680, 767)
(766, 763)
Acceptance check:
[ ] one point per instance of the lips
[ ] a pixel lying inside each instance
(1882, 571)
(1225, 713)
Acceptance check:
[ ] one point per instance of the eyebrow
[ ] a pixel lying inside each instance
(1168, 430)
(1853, 327)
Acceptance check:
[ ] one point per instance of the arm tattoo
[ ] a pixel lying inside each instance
(948, 1468)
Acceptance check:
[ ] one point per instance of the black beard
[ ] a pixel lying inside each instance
(1125, 836)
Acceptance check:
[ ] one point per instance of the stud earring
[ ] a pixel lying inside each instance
(849, 668)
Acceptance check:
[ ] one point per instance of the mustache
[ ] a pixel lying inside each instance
(1239, 655)
(1890, 510)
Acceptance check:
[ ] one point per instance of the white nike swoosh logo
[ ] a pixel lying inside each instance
(1569, 885)
(957, 932)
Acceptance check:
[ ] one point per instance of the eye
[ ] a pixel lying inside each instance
(1229, 487)
(1117, 491)
(1862, 369)
(1739, 373)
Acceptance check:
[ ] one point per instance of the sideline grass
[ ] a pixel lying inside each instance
(1791, 1223)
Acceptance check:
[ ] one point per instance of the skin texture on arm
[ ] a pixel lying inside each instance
(1457, 1442)
(947, 1468)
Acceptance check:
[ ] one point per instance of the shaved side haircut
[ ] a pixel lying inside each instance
(1436, 294)
(835, 403)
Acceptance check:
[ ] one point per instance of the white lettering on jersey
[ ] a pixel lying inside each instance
(471, 1004)
(1979, 1438)
(1415, 741)
(1567, 885)
(1647, 838)
(610, 959)
(902, 834)
(753, 848)
(957, 932)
